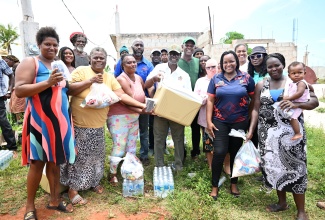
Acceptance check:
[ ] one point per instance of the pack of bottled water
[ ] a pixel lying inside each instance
(5, 158)
(133, 187)
(163, 181)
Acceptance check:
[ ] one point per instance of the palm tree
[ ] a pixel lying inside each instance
(7, 37)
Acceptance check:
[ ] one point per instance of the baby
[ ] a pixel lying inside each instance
(297, 91)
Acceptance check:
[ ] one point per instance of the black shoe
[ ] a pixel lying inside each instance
(145, 161)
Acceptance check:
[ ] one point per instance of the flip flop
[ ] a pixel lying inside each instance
(62, 207)
(30, 215)
(276, 208)
(98, 189)
(78, 200)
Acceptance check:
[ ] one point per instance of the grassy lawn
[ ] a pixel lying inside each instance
(191, 198)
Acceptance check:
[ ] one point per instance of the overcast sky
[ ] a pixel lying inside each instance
(253, 18)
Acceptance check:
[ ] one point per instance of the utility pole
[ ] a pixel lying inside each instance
(28, 30)
(306, 56)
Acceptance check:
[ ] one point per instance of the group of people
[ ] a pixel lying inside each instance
(69, 139)
(246, 101)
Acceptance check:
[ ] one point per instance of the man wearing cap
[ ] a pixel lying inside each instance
(124, 50)
(144, 67)
(5, 94)
(79, 41)
(198, 53)
(164, 55)
(155, 57)
(191, 65)
(171, 74)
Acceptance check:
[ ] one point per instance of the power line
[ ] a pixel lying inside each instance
(73, 16)
(83, 29)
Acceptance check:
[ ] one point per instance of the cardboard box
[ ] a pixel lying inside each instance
(45, 183)
(177, 104)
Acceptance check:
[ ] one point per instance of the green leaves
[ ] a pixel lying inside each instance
(8, 36)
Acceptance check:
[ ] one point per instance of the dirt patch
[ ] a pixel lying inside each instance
(89, 212)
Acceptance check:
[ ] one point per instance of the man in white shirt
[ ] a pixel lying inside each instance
(172, 75)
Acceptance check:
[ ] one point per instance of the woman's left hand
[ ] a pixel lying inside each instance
(97, 79)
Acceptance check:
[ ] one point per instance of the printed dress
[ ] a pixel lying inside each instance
(47, 133)
(284, 161)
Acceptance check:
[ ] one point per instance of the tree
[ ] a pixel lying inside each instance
(230, 36)
(8, 36)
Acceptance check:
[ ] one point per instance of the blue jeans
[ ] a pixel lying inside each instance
(144, 135)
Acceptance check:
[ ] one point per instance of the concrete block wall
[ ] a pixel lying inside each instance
(165, 40)
(152, 40)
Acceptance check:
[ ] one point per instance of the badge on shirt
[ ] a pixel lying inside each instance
(180, 78)
(220, 83)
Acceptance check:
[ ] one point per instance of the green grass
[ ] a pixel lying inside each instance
(321, 81)
(191, 198)
(321, 100)
(320, 110)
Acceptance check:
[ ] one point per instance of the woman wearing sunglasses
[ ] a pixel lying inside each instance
(257, 70)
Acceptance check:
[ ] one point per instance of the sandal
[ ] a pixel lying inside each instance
(62, 207)
(30, 215)
(276, 208)
(113, 181)
(98, 189)
(78, 200)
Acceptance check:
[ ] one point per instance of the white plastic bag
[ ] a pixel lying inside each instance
(100, 96)
(285, 113)
(247, 160)
(59, 64)
(131, 168)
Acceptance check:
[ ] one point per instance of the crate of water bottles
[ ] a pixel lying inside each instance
(133, 187)
(163, 181)
(5, 158)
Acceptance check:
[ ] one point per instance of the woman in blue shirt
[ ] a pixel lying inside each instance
(227, 107)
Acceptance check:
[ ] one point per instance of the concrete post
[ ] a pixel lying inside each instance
(28, 29)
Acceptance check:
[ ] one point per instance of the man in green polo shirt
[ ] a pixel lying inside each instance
(191, 65)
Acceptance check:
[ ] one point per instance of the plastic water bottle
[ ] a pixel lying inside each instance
(155, 185)
(160, 187)
(140, 186)
(5, 158)
(131, 188)
(166, 187)
(125, 188)
(221, 180)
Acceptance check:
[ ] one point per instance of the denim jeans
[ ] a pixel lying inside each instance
(144, 135)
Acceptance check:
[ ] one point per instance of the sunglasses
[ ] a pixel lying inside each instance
(210, 67)
(256, 56)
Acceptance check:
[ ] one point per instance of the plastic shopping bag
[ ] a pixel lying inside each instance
(284, 112)
(131, 168)
(100, 96)
(247, 160)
